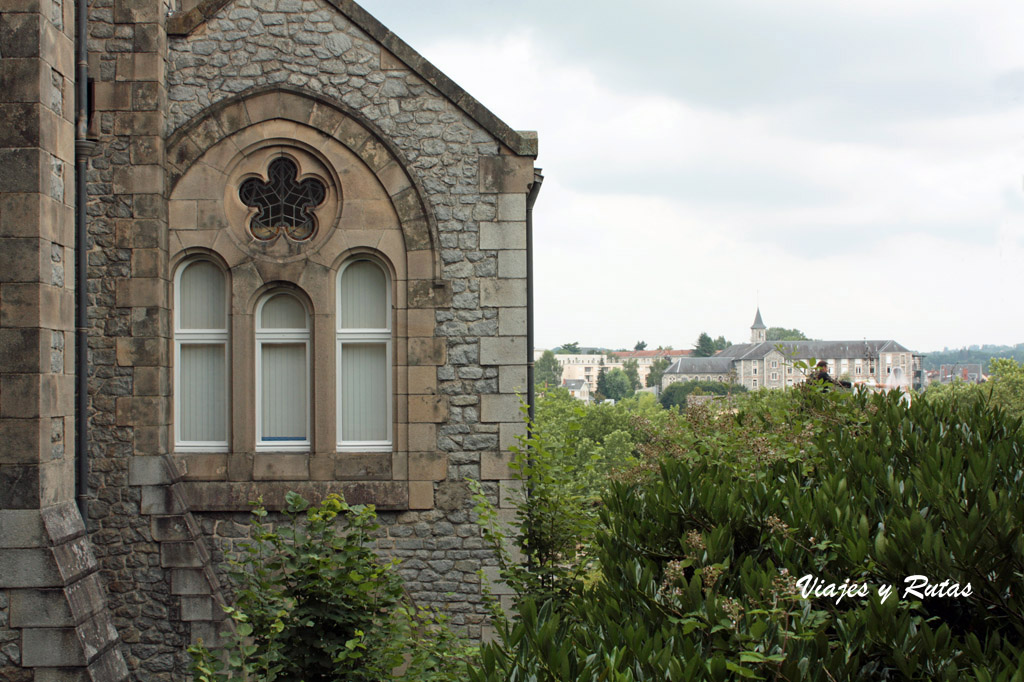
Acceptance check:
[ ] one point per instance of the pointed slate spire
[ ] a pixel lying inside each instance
(758, 324)
(758, 332)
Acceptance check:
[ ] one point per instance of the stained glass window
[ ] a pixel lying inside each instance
(283, 204)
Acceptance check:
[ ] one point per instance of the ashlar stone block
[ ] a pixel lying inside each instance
(421, 494)
(503, 350)
(28, 568)
(281, 467)
(512, 206)
(189, 581)
(503, 293)
(512, 379)
(427, 409)
(494, 466)
(148, 471)
(427, 351)
(51, 648)
(510, 433)
(505, 173)
(422, 437)
(45, 608)
(499, 408)
(512, 264)
(428, 466)
(21, 528)
(503, 235)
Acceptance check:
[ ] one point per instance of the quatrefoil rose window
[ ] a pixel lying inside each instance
(283, 204)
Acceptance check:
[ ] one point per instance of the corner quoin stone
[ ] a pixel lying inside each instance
(500, 408)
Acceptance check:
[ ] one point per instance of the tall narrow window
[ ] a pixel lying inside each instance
(282, 374)
(200, 358)
(364, 357)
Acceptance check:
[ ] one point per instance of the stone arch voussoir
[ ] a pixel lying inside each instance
(186, 145)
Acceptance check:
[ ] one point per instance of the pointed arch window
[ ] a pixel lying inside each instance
(201, 398)
(364, 357)
(282, 374)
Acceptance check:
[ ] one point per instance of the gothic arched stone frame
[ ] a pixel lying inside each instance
(374, 206)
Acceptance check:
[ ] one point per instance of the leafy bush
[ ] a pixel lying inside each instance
(1004, 388)
(698, 558)
(314, 603)
(676, 394)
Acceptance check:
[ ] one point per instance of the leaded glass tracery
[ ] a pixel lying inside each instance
(283, 204)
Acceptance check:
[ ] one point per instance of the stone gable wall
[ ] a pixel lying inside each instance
(160, 561)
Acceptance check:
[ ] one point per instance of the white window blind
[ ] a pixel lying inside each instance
(202, 297)
(202, 393)
(201, 403)
(284, 392)
(282, 374)
(364, 357)
(364, 382)
(364, 297)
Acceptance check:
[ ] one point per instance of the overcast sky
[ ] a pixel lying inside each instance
(854, 168)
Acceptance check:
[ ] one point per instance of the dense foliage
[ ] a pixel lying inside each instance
(706, 346)
(1004, 388)
(658, 368)
(975, 354)
(547, 371)
(784, 334)
(690, 572)
(315, 604)
(675, 395)
(614, 384)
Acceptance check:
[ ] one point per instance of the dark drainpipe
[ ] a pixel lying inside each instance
(531, 199)
(83, 149)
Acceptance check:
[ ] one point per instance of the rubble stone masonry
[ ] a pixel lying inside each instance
(190, 97)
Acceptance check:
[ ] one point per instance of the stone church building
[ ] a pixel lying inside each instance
(303, 255)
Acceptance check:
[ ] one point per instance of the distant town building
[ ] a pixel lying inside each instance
(970, 372)
(762, 363)
(578, 388)
(587, 367)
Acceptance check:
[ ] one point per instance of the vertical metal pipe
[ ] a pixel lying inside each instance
(531, 199)
(82, 149)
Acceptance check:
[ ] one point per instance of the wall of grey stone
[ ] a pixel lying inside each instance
(125, 40)
(252, 43)
(10, 642)
(441, 552)
(308, 44)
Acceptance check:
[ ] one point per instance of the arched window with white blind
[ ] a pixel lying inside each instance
(282, 374)
(364, 357)
(201, 404)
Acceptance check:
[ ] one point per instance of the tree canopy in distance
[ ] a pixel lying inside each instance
(675, 395)
(632, 369)
(547, 370)
(570, 348)
(783, 334)
(705, 347)
(658, 368)
(640, 345)
(616, 384)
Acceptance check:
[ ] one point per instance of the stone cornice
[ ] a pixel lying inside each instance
(522, 143)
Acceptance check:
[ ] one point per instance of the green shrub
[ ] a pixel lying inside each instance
(314, 603)
(699, 558)
(676, 394)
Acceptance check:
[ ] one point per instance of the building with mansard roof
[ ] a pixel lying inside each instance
(770, 364)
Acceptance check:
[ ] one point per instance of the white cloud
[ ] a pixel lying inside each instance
(915, 227)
